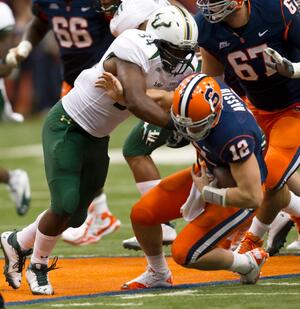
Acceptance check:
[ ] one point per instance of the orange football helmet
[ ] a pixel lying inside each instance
(197, 106)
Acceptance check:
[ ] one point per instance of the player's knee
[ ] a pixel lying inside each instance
(66, 202)
(141, 214)
(179, 252)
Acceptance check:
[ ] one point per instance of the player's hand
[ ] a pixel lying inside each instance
(111, 85)
(17, 54)
(282, 65)
(201, 178)
(176, 140)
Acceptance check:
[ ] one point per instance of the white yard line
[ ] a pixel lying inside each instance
(163, 155)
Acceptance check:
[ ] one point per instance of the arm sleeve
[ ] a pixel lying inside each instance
(126, 47)
(238, 149)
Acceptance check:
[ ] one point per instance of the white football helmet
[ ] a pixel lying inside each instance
(175, 34)
(215, 11)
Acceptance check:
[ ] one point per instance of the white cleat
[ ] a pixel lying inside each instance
(92, 230)
(149, 279)
(14, 259)
(278, 232)
(38, 279)
(168, 234)
(257, 258)
(19, 187)
(295, 245)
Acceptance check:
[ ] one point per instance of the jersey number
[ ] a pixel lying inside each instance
(72, 32)
(291, 5)
(239, 59)
(240, 150)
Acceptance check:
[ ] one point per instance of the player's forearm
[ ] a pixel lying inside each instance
(243, 198)
(146, 109)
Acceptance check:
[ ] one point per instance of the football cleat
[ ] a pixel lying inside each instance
(149, 279)
(93, 230)
(168, 233)
(38, 279)
(19, 187)
(295, 245)
(248, 243)
(257, 258)
(14, 258)
(278, 232)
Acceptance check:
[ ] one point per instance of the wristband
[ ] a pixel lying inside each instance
(214, 195)
(296, 67)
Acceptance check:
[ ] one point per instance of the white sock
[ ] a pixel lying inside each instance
(100, 204)
(145, 186)
(26, 237)
(258, 228)
(294, 206)
(240, 263)
(158, 263)
(43, 247)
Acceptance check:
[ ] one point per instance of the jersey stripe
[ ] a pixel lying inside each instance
(188, 29)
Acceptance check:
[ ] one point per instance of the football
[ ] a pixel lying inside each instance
(224, 177)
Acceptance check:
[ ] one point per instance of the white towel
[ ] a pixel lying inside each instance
(193, 206)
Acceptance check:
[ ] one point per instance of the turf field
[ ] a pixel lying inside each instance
(19, 147)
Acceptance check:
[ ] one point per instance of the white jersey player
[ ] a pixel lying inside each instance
(76, 133)
(93, 109)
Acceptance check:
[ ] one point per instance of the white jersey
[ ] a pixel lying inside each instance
(92, 108)
(6, 17)
(132, 13)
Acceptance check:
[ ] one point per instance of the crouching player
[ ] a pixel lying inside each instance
(225, 134)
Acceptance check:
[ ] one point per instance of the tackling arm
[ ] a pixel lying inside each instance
(134, 91)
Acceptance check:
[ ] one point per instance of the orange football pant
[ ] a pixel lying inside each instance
(209, 230)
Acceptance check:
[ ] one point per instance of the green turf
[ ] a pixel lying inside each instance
(122, 194)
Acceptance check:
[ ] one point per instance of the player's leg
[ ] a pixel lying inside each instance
(200, 244)
(143, 139)
(282, 159)
(160, 204)
(99, 222)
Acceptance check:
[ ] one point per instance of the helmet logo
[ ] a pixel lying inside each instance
(212, 97)
(157, 22)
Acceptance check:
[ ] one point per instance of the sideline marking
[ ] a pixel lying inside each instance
(131, 292)
(94, 304)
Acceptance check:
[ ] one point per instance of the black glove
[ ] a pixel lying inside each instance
(175, 140)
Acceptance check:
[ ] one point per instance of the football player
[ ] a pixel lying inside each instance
(82, 32)
(17, 180)
(76, 133)
(235, 35)
(225, 134)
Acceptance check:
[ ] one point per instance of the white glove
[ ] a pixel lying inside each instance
(282, 65)
(19, 53)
